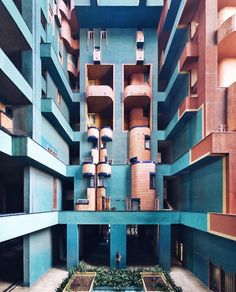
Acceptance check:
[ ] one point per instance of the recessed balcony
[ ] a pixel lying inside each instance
(137, 96)
(103, 169)
(71, 66)
(189, 56)
(226, 38)
(89, 169)
(106, 134)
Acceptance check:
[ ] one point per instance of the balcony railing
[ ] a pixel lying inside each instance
(99, 90)
(226, 29)
(138, 90)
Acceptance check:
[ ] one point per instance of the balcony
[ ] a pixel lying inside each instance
(13, 85)
(106, 134)
(226, 37)
(137, 95)
(64, 9)
(93, 134)
(71, 66)
(102, 92)
(104, 169)
(6, 122)
(89, 169)
(72, 45)
(189, 56)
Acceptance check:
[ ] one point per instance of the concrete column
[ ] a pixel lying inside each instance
(72, 246)
(118, 243)
(165, 247)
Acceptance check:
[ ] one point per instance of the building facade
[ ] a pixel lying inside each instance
(117, 133)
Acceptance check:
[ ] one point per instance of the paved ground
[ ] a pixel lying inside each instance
(54, 277)
(187, 280)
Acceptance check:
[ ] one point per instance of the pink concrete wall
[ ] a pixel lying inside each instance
(140, 185)
(137, 143)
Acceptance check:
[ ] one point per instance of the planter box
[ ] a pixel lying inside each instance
(148, 277)
(81, 282)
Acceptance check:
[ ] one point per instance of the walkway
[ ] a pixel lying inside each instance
(54, 277)
(185, 279)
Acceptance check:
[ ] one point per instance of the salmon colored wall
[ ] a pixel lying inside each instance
(91, 195)
(103, 154)
(137, 143)
(231, 108)
(140, 185)
(136, 118)
(226, 72)
(5, 121)
(101, 193)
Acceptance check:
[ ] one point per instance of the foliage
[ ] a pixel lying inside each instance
(119, 279)
(172, 283)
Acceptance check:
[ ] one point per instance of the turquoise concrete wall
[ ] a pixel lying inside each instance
(200, 246)
(52, 92)
(118, 243)
(189, 135)
(200, 190)
(165, 246)
(51, 137)
(119, 185)
(37, 255)
(72, 252)
(41, 192)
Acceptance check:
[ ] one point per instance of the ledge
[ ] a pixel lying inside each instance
(53, 65)
(17, 19)
(51, 111)
(16, 88)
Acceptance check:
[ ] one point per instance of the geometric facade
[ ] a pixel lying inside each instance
(117, 132)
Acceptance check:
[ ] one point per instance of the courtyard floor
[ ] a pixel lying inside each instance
(54, 277)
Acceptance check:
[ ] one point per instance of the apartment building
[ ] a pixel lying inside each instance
(117, 133)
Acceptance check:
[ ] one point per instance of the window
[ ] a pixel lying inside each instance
(90, 35)
(92, 182)
(103, 34)
(147, 142)
(152, 180)
(101, 182)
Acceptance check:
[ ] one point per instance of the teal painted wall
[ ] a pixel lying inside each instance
(118, 243)
(51, 137)
(165, 246)
(118, 185)
(72, 252)
(200, 190)
(189, 135)
(37, 255)
(52, 92)
(200, 246)
(41, 191)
